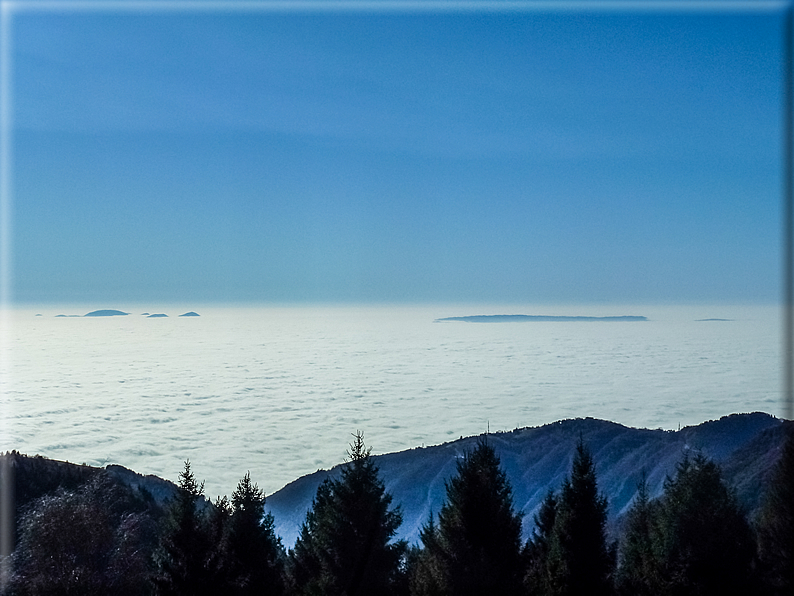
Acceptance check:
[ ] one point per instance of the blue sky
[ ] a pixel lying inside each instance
(365, 156)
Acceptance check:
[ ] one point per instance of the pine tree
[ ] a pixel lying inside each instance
(579, 561)
(187, 559)
(306, 570)
(425, 571)
(476, 547)
(637, 571)
(345, 546)
(536, 552)
(776, 524)
(702, 540)
(255, 556)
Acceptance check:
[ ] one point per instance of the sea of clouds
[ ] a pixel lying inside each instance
(277, 391)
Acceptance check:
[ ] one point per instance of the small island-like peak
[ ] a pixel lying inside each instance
(534, 318)
(703, 320)
(106, 313)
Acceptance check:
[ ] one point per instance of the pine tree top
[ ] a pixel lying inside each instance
(358, 450)
(248, 497)
(188, 483)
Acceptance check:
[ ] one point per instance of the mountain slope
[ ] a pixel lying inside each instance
(537, 459)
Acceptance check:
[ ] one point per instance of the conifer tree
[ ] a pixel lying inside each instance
(702, 540)
(255, 556)
(187, 559)
(637, 571)
(536, 552)
(476, 547)
(776, 531)
(579, 561)
(345, 546)
(306, 572)
(426, 573)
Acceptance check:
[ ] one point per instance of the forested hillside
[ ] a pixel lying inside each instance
(537, 459)
(577, 507)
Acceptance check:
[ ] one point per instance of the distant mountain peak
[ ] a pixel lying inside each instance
(538, 318)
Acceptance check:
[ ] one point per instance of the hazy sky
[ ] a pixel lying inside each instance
(396, 156)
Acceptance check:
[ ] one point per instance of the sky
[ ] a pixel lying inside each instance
(364, 155)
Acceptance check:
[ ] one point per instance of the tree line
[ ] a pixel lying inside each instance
(694, 539)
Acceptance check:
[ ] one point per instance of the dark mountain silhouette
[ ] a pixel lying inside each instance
(190, 314)
(105, 313)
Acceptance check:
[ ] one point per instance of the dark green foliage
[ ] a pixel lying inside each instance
(305, 560)
(536, 552)
(637, 574)
(188, 559)
(254, 554)
(579, 561)
(425, 568)
(95, 540)
(345, 547)
(476, 547)
(702, 540)
(693, 540)
(776, 524)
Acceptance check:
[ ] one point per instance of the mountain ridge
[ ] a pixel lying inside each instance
(537, 459)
